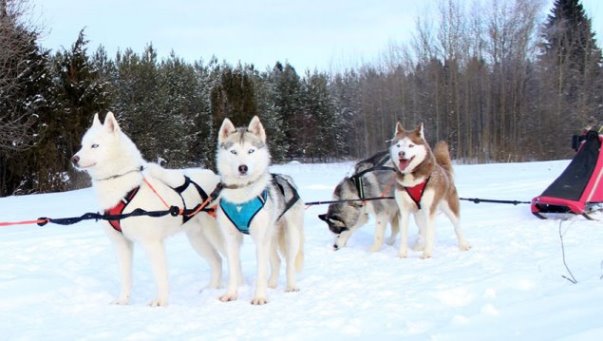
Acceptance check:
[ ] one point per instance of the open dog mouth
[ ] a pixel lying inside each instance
(403, 163)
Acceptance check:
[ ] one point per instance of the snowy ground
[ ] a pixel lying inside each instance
(56, 282)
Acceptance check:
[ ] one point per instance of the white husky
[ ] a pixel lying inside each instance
(124, 181)
(255, 202)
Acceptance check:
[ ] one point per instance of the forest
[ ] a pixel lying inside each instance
(498, 80)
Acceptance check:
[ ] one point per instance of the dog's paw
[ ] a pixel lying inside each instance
(228, 297)
(292, 289)
(158, 303)
(403, 254)
(375, 248)
(272, 284)
(121, 301)
(464, 246)
(259, 301)
(426, 255)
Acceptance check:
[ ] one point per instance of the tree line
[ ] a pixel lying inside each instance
(492, 78)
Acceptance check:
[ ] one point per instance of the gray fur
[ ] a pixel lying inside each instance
(345, 218)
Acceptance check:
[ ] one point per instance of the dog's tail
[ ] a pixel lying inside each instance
(442, 156)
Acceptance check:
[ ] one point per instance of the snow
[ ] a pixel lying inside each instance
(56, 282)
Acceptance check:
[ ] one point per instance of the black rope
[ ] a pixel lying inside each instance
(494, 201)
(312, 203)
(174, 211)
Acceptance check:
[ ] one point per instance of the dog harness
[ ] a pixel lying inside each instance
(380, 159)
(416, 192)
(241, 215)
(118, 209)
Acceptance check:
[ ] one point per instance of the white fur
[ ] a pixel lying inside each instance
(266, 230)
(112, 161)
(411, 151)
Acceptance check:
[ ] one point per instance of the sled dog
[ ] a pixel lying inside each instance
(123, 181)
(265, 206)
(424, 185)
(372, 178)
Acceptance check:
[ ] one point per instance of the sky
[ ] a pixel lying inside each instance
(308, 34)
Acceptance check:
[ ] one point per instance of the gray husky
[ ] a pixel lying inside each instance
(373, 177)
(265, 206)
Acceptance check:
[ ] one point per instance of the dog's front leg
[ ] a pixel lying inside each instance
(123, 248)
(429, 232)
(403, 253)
(395, 228)
(341, 239)
(233, 241)
(379, 233)
(263, 244)
(156, 253)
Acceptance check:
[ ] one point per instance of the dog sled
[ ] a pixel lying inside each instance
(579, 189)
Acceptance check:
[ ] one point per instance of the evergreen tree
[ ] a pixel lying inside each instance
(80, 93)
(571, 67)
(25, 106)
(320, 126)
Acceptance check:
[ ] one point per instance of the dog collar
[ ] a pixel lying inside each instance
(139, 169)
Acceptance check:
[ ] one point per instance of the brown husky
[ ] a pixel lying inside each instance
(424, 184)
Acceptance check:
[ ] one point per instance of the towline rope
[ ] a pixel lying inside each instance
(495, 201)
(176, 211)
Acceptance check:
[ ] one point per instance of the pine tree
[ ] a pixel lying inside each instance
(25, 104)
(571, 66)
(80, 93)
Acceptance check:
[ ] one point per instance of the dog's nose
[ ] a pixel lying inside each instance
(243, 169)
(401, 154)
(75, 159)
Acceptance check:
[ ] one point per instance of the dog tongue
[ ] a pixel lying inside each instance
(404, 163)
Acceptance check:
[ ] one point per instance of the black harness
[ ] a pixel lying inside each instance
(379, 160)
(123, 203)
(180, 189)
(280, 182)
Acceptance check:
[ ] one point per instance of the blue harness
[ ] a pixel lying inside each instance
(241, 215)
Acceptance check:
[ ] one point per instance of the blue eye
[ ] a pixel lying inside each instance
(250, 151)
(234, 152)
(95, 145)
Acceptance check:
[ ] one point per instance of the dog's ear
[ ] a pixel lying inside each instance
(96, 121)
(226, 129)
(323, 217)
(111, 123)
(399, 128)
(420, 131)
(256, 128)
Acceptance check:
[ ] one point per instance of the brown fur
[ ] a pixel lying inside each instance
(440, 191)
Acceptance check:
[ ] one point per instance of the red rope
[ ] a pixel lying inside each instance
(24, 222)
(156, 193)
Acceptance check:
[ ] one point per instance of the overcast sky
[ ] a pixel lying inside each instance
(307, 33)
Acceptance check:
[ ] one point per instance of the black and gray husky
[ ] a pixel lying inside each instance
(372, 178)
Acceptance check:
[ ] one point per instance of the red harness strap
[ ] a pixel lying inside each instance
(119, 208)
(416, 192)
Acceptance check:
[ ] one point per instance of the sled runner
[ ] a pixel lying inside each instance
(579, 189)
